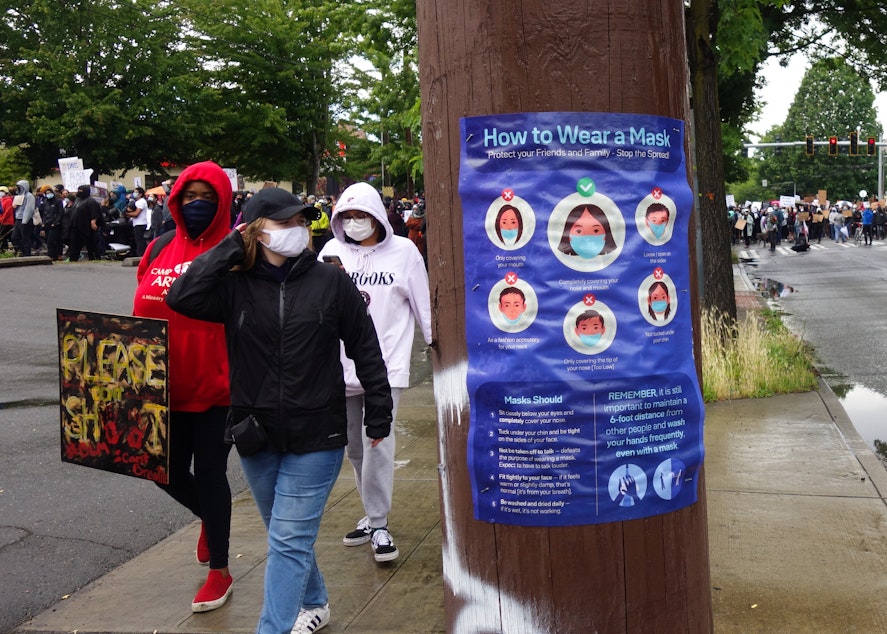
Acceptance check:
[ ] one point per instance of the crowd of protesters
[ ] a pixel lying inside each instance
(57, 223)
(806, 223)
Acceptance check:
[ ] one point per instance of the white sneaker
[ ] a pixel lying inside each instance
(360, 535)
(312, 619)
(383, 545)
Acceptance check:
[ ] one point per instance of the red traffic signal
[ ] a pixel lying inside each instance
(871, 146)
(833, 146)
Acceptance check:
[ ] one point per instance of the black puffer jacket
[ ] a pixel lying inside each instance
(283, 344)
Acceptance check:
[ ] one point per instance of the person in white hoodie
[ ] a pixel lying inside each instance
(389, 272)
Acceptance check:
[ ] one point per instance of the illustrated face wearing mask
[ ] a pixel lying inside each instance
(512, 305)
(358, 225)
(590, 328)
(508, 225)
(286, 237)
(200, 203)
(658, 299)
(657, 220)
(588, 236)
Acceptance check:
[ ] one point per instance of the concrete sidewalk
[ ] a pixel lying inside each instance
(796, 526)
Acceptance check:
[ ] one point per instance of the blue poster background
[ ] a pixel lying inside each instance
(585, 406)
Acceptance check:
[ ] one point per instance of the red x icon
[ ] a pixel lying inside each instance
(588, 300)
(511, 278)
(658, 273)
(657, 193)
(507, 195)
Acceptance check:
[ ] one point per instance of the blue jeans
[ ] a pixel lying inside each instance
(291, 491)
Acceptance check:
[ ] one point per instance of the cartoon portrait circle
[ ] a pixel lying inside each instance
(658, 299)
(510, 223)
(627, 485)
(590, 329)
(586, 233)
(654, 217)
(668, 478)
(512, 307)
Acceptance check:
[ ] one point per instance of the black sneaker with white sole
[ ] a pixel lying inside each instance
(383, 545)
(360, 535)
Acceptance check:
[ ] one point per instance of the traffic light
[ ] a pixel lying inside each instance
(854, 143)
(871, 146)
(809, 145)
(833, 146)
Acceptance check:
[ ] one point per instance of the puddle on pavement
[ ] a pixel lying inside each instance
(866, 409)
(774, 289)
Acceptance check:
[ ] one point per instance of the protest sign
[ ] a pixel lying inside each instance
(113, 393)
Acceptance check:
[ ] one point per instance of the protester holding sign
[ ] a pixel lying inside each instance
(198, 390)
(285, 314)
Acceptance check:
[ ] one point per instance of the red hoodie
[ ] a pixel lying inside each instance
(6, 218)
(198, 358)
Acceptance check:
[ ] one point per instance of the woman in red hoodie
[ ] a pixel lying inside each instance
(200, 204)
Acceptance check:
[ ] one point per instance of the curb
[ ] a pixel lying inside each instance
(24, 261)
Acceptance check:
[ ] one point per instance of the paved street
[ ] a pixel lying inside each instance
(62, 525)
(834, 297)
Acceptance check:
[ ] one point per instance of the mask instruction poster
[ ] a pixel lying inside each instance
(585, 406)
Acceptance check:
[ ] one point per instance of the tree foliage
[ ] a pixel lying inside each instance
(137, 83)
(104, 80)
(382, 95)
(832, 100)
(271, 66)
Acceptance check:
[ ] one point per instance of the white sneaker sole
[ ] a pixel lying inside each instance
(206, 606)
(383, 557)
(356, 541)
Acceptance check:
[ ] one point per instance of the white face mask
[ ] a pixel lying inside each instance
(288, 242)
(358, 229)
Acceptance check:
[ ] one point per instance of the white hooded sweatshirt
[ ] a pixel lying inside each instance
(391, 277)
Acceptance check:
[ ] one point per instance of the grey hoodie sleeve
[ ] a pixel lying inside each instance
(25, 211)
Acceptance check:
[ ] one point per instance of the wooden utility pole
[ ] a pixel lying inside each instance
(487, 57)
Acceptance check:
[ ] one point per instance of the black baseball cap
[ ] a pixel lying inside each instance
(277, 204)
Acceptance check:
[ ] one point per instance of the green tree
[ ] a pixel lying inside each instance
(272, 65)
(104, 80)
(832, 100)
(381, 97)
(14, 166)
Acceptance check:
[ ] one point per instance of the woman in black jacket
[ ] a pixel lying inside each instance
(284, 316)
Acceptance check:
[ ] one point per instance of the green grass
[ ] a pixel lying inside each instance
(762, 358)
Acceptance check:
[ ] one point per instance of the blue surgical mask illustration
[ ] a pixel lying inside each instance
(587, 246)
(658, 230)
(509, 235)
(590, 340)
(659, 306)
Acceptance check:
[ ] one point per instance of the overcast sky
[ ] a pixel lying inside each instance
(779, 92)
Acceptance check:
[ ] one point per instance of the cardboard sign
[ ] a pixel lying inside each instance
(803, 216)
(740, 224)
(113, 393)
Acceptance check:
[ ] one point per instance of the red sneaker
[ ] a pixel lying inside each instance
(202, 548)
(214, 592)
